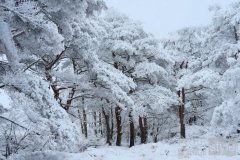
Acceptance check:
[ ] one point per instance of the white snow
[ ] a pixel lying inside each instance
(4, 99)
(200, 149)
(11, 50)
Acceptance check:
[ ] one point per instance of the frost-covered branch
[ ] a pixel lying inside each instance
(6, 38)
(51, 64)
(13, 122)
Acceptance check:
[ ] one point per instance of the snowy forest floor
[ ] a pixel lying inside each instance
(209, 147)
(198, 149)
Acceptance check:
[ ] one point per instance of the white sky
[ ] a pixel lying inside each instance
(160, 17)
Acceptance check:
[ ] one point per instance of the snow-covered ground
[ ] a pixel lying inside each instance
(201, 149)
(208, 147)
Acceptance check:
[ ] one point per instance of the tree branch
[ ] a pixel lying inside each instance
(31, 65)
(17, 124)
(51, 64)
(13, 122)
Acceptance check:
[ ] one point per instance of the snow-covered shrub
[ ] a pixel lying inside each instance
(44, 124)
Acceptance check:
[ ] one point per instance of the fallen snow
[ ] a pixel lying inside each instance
(185, 150)
(4, 99)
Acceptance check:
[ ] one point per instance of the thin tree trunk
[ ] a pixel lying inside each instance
(69, 101)
(95, 122)
(112, 124)
(182, 113)
(131, 125)
(81, 121)
(119, 126)
(156, 135)
(100, 123)
(8, 152)
(141, 129)
(85, 123)
(107, 127)
(145, 129)
(235, 33)
(84, 120)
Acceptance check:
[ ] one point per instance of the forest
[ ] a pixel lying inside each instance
(76, 75)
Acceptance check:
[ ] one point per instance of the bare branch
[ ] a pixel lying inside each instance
(31, 65)
(192, 90)
(50, 65)
(13, 122)
(17, 124)
(17, 34)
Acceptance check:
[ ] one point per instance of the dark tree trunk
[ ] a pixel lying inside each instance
(145, 129)
(100, 123)
(112, 123)
(119, 126)
(95, 122)
(156, 135)
(131, 125)
(85, 123)
(81, 121)
(141, 129)
(69, 101)
(153, 128)
(182, 113)
(106, 116)
(235, 33)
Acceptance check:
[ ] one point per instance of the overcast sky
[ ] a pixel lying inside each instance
(160, 17)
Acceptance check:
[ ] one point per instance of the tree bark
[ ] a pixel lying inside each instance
(119, 126)
(81, 121)
(131, 125)
(112, 124)
(182, 113)
(69, 101)
(100, 123)
(145, 129)
(85, 123)
(156, 135)
(106, 116)
(235, 33)
(95, 122)
(141, 129)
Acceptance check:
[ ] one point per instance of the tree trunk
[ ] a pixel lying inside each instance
(100, 123)
(119, 125)
(131, 125)
(141, 129)
(69, 101)
(95, 122)
(85, 123)
(182, 113)
(112, 124)
(81, 121)
(235, 33)
(156, 135)
(107, 126)
(84, 119)
(145, 129)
